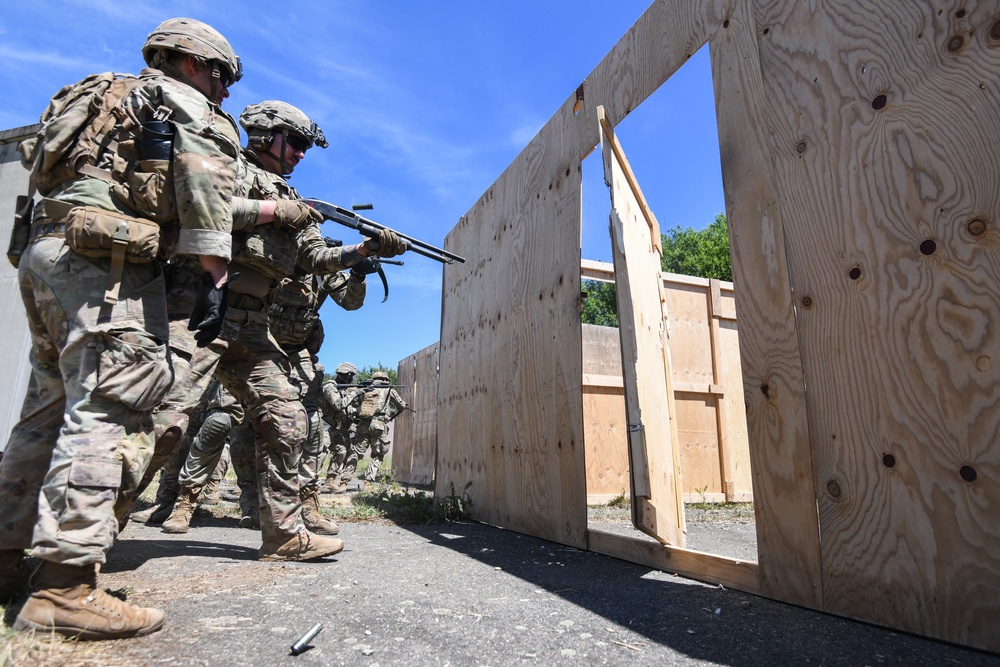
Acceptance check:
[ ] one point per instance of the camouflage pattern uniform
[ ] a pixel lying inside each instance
(98, 370)
(293, 317)
(247, 360)
(99, 323)
(341, 410)
(373, 431)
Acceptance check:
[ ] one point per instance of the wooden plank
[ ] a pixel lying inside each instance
(884, 135)
(605, 441)
(402, 425)
(657, 508)
(731, 573)
(424, 451)
(774, 387)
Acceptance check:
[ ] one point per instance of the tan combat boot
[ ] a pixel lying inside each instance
(14, 574)
(210, 496)
(301, 546)
(68, 602)
(180, 519)
(311, 516)
(155, 515)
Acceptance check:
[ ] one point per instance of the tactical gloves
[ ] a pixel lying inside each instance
(387, 244)
(294, 214)
(363, 268)
(209, 310)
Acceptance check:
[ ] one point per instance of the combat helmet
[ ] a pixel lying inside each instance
(262, 120)
(346, 368)
(196, 39)
(380, 376)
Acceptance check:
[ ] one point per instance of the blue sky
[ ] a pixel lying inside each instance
(424, 105)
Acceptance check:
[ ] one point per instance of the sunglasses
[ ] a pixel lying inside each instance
(298, 142)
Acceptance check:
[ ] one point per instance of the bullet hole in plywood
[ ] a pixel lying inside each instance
(968, 473)
(928, 247)
(889, 461)
(879, 102)
(855, 273)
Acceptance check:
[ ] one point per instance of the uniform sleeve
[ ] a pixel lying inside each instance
(345, 291)
(206, 145)
(313, 254)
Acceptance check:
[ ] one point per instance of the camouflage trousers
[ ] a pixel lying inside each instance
(374, 434)
(85, 431)
(345, 455)
(310, 383)
(243, 456)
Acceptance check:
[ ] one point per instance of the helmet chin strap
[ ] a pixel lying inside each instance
(280, 158)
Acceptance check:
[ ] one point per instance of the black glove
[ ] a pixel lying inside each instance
(209, 310)
(364, 267)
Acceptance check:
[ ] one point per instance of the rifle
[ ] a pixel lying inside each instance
(368, 384)
(371, 229)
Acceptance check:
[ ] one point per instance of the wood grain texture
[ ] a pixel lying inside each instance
(654, 457)
(728, 572)
(402, 425)
(510, 413)
(774, 386)
(885, 138)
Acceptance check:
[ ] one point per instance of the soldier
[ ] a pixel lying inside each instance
(206, 453)
(273, 233)
(342, 411)
(294, 319)
(380, 406)
(117, 159)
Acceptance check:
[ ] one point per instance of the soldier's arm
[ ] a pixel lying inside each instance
(348, 292)
(316, 257)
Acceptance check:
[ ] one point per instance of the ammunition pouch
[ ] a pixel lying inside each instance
(98, 233)
(272, 251)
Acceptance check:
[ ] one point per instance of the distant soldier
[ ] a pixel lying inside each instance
(380, 405)
(341, 410)
(132, 171)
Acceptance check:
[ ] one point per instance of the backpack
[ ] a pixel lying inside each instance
(77, 127)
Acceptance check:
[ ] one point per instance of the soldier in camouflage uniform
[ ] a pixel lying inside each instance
(342, 411)
(207, 450)
(379, 406)
(97, 312)
(294, 319)
(273, 233)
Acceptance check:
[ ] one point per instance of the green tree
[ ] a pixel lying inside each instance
(703, 253)
(600, 303)
(365, 372)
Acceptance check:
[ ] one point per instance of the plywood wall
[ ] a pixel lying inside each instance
(708, 391)
(860, 146)
(414, 442)
(882, 130)
(510, 417)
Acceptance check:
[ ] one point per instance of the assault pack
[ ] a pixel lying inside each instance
(87, 131)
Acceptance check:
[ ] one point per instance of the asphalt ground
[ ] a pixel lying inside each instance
(454, 594)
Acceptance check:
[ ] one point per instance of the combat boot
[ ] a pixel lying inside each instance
(311, 516)
(68, 602)
(14, 574)
(301, 546)
(180, 519)
(210, 496)
(155, 515)
(250, 518)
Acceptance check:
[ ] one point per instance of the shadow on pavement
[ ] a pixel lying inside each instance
(130, 554)
(702, 621)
